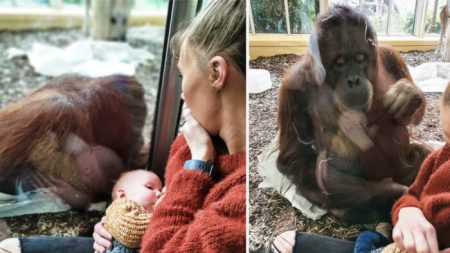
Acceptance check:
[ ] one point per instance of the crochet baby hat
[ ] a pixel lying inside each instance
(392, 248)
(126, 220)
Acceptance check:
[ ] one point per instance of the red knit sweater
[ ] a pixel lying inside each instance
(431, 193)
(198, 214)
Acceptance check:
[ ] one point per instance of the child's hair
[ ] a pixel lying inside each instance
(218, 29)
(446, 96)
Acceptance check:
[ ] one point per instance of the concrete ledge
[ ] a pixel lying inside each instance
(44, 18)
(275, 44)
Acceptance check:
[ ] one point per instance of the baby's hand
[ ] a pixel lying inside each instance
(102, 238)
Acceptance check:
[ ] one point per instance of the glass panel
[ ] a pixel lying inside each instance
(44, 50)
(74, 2)
(403, 17)
(353, 3)
(25, 3)
(433, 22)
(269, 16)
(377, 11)
(302, 15)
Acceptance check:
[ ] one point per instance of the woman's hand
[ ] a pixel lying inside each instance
(414, 233)
(197, 137)
(102, 238)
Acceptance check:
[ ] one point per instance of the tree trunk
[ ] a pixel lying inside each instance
(446, 44)
(432, 27)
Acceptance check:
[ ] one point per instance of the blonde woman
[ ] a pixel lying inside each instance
(204, 206)
(203, 209)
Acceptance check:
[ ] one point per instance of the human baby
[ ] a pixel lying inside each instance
(134, 196)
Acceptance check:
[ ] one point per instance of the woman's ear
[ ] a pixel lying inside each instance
(218, 71)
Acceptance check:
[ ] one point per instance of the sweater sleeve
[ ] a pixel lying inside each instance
(181, 223)
(411, 198)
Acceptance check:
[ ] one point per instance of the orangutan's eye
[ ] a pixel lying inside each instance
(340, 60)
(360, 57)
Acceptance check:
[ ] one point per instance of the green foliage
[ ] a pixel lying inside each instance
(409, 25)
(80, 2)
(429, 22)
(302, 15)
(159, 3)
(268, 16)
(379, 23)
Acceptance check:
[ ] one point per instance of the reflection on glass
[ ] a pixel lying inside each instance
(403, 13)
(36, 54)
(433, 22)
(353, 3)
(269, 16)
(302, 15)
(377, 12)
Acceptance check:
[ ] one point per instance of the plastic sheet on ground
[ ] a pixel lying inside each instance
(258, 81)
(37, 201)
(87, 57)
(431, 76)
(267, 169)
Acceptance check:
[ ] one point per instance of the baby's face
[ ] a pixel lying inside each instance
(445, 121)
(141, 186)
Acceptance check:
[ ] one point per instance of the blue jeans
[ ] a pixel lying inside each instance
(120, 248)
(56, 244)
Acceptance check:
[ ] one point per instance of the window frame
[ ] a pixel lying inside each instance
(169, 104)
(419, 16)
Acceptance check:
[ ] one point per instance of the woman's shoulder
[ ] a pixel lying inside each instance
(439, 156)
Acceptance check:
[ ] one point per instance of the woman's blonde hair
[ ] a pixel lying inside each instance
(218, 29)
